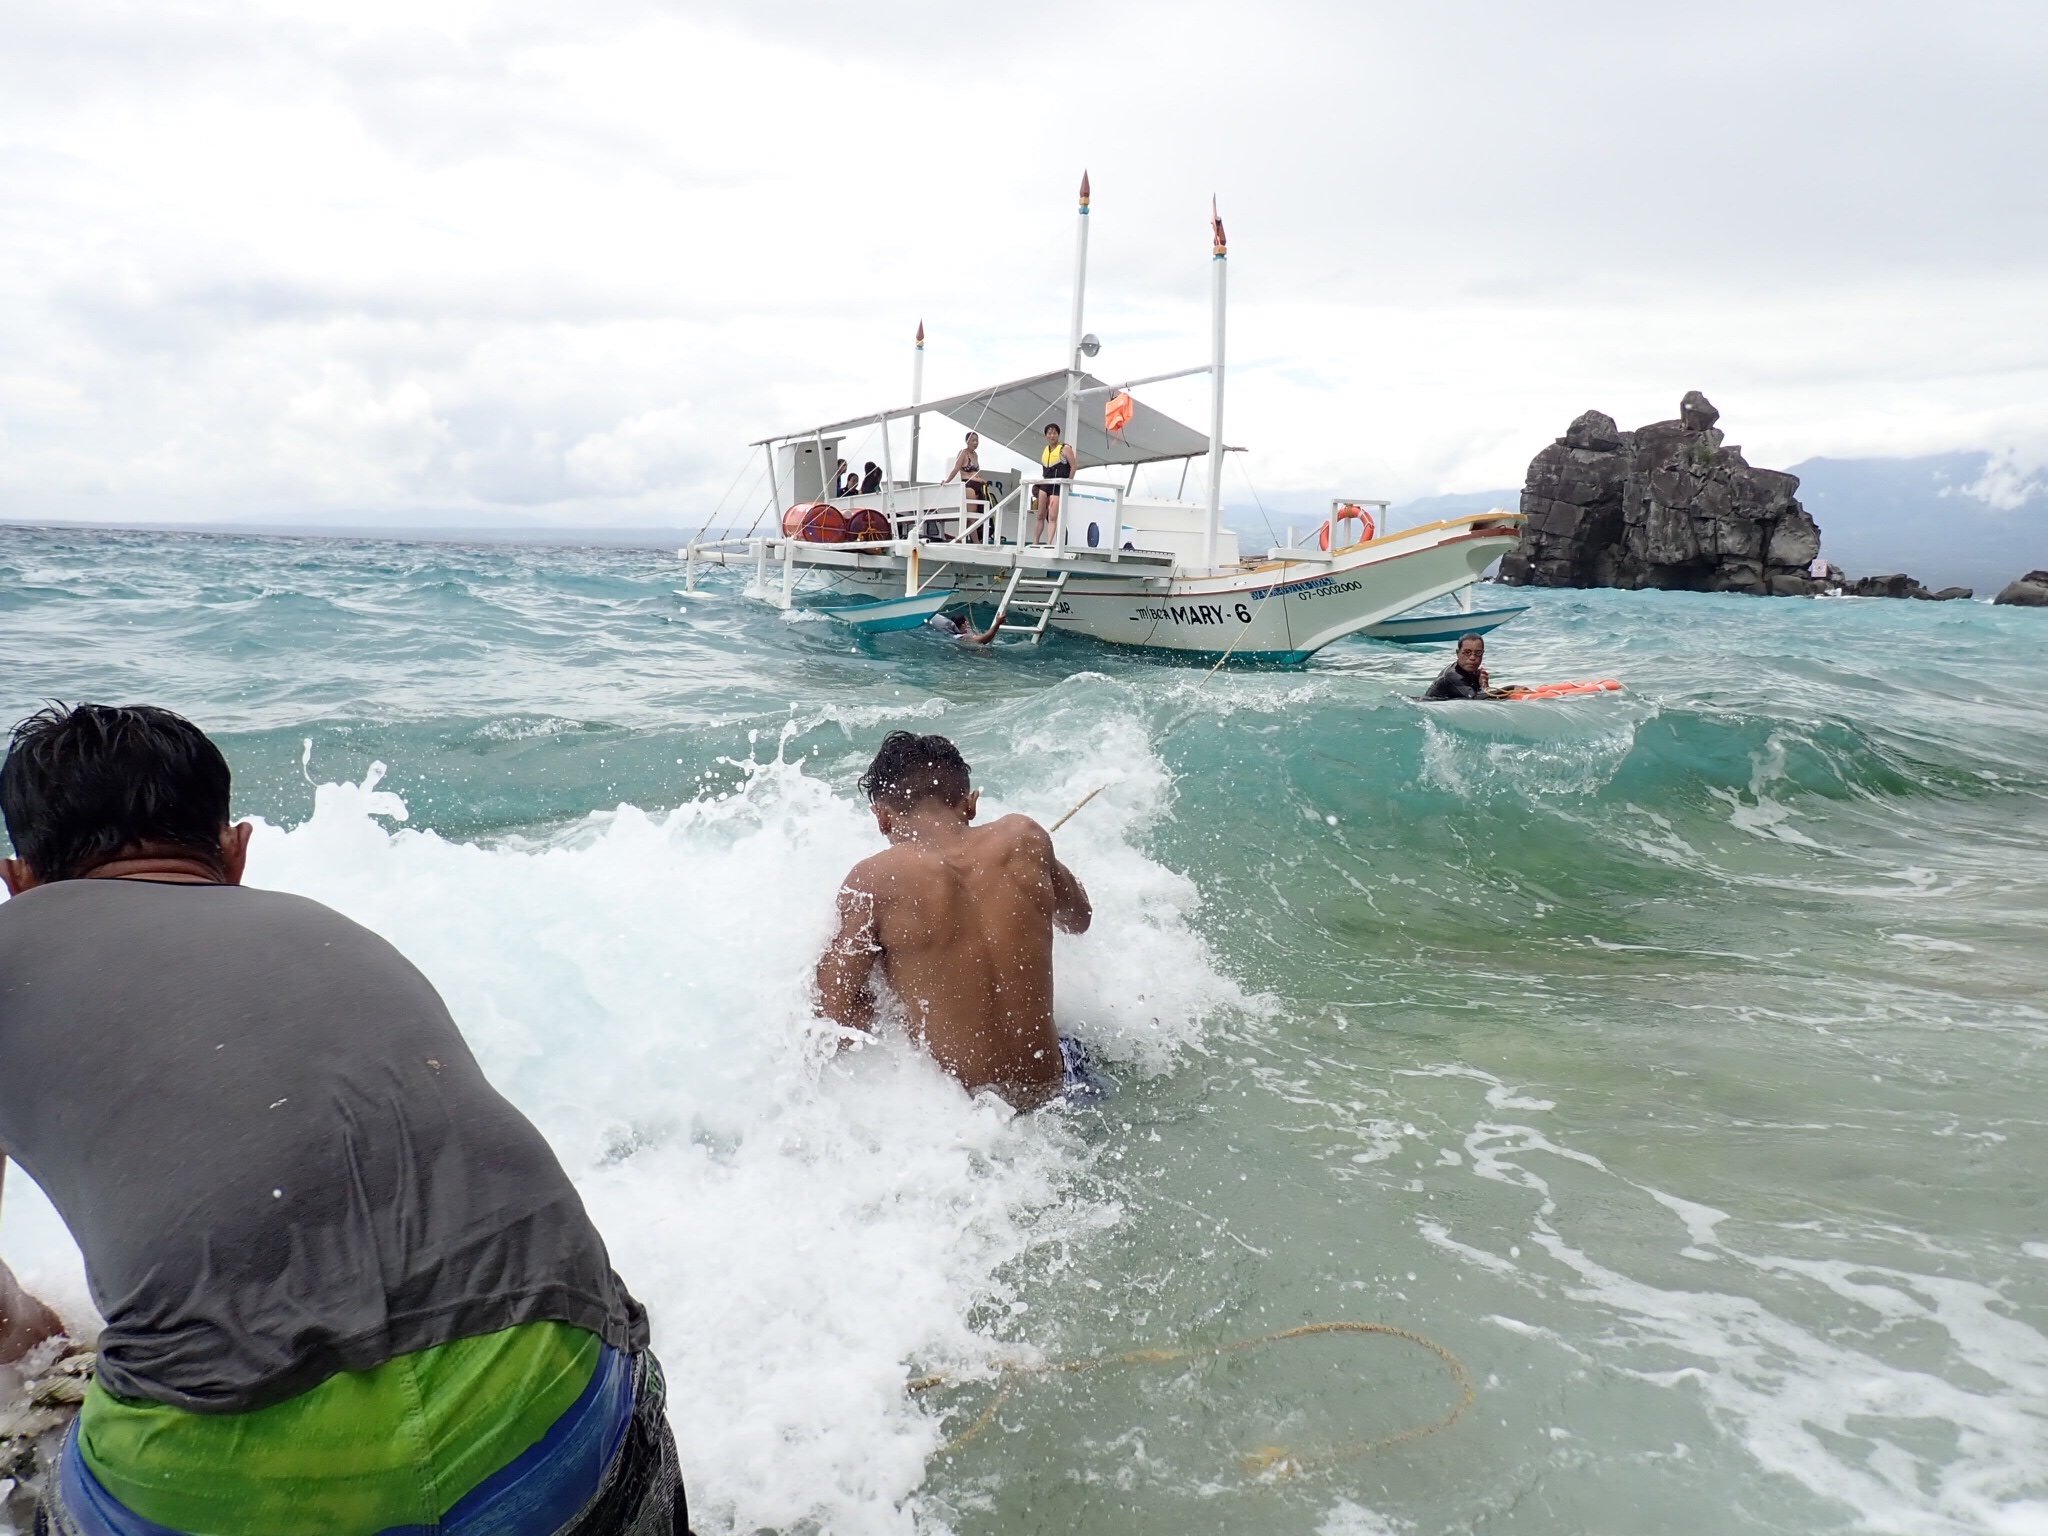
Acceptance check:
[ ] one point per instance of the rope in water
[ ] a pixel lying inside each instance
(1276, 1460)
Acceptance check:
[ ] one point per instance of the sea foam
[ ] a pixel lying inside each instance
(808, 1229)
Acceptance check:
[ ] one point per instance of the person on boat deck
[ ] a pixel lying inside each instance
(844, 481)
(347, 1287)
(959, 919)
(1056, 461)
(967, 469)
(1467, 677)
(870, 478)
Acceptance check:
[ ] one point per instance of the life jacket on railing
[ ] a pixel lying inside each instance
(1350, 512)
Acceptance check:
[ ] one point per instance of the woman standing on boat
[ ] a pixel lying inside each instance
(1056, 462)
(967, 465)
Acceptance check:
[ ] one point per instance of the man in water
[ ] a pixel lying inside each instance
(347, 1287)
(1467, 677)
(960, 920)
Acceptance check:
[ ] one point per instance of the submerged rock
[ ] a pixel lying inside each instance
(2030, 591)
(1899, 584)
(1667, 505)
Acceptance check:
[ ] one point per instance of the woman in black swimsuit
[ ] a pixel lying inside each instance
(967, 465)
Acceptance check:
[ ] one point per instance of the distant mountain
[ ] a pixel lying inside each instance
(1961, 519)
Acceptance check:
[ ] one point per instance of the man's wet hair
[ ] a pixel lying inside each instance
(909, 768)
(82, 784)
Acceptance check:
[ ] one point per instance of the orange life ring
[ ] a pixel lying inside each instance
(1349, 512)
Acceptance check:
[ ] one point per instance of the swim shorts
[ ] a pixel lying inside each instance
(1085, 1083)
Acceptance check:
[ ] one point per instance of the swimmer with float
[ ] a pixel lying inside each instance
(1467, 677)
(959, 920)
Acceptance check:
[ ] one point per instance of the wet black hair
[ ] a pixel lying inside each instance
(909, 768)
(84, 783)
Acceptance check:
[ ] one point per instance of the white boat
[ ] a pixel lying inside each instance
(1115, 566)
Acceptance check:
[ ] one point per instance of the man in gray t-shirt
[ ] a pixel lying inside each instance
(282, 1164)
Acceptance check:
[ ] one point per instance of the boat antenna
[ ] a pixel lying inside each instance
(1074, 334)
(1219, 266)
(916, 400)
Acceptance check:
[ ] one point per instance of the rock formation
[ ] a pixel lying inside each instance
(2030, 591)
(1666, 506)
(1900, 584)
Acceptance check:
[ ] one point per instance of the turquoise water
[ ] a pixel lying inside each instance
(1672, 1059)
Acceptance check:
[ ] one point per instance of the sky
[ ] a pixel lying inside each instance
(426, 262)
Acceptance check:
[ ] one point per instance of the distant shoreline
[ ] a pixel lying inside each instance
(555, 538)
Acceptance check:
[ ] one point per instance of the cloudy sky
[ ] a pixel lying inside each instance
(535, 263)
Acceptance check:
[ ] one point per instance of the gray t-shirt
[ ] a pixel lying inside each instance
(277, 1153)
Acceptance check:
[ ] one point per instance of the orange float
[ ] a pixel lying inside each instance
(815, 522)
(864, 525)
(1567, 690)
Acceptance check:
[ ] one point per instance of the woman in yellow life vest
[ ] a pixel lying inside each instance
(1056, 462)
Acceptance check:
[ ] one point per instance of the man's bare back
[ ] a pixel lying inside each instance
(959, 918)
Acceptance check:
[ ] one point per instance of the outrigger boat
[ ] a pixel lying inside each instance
(1131, 570)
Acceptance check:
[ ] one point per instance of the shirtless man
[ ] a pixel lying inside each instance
(960, 920)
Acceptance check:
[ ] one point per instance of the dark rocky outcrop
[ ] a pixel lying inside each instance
(2030, 591)
(1668, 506)
(1900, 585)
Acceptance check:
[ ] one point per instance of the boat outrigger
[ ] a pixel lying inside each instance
(1103, 562)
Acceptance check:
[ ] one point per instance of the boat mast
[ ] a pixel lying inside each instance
(916, 400)
(1074, 336)
(1219, 267)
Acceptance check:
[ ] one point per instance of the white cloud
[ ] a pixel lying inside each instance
(2008, 482)
(512, 261)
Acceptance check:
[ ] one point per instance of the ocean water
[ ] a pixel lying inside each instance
(1674, 1060)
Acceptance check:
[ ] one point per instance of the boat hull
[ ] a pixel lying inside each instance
(1423, 629)
(1279, 614)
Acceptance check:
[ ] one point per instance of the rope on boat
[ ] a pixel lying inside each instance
(1277, 1461)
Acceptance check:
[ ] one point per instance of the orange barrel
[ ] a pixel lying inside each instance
(864, 525)
(815, 522)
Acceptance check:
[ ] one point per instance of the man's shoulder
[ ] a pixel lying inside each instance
(875, 871)
(71, 903)
(1019, 832)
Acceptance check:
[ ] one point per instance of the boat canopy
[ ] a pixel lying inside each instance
(1015, 415)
